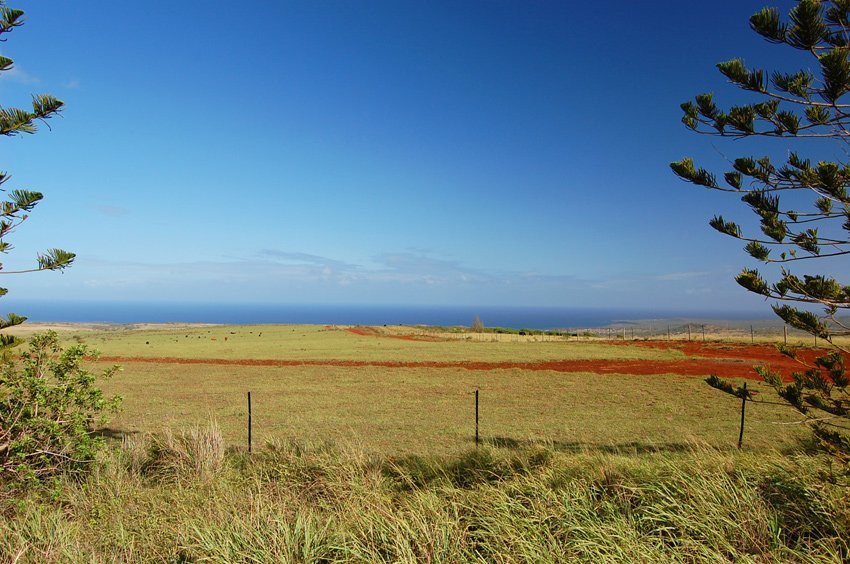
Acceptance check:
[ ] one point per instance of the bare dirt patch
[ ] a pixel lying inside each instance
(762, 353)
(365, 331)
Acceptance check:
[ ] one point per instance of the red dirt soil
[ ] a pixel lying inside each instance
(723, 359)
(364, 331)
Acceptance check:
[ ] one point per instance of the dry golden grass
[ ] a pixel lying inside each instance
(417, 410)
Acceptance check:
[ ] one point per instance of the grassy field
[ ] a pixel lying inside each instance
(318, 342)
(415, 410)
(378, 464)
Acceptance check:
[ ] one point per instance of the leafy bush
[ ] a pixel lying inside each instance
(48, 406)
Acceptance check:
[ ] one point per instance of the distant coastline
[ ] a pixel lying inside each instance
(335, 314)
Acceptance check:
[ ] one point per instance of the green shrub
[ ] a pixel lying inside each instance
(48, 406)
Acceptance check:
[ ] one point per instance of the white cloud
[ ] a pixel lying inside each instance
(698, 291)
(281, 276)
(677, 276)
(112, 211)
(419, 267)
(19, 76)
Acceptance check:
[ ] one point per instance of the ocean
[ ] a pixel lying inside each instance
(328, 314)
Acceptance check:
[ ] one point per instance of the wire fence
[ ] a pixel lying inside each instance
(752, 333)
(495, 430)
(699, 332)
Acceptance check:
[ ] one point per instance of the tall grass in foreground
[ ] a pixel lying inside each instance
(180, 497)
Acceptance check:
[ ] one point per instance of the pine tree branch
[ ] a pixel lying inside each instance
(795, 259)
(29, 270)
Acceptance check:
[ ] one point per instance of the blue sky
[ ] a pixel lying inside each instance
(475, 153)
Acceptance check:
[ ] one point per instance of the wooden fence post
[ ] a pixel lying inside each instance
(249, 422)
(476, 419)
(743, 409)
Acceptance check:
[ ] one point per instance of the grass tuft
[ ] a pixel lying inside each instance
(196, 453)
(466, 470)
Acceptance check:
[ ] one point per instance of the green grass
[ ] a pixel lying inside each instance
(315, 342)
(153, 501)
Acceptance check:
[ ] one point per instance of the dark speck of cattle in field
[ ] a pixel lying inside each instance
(147, 342)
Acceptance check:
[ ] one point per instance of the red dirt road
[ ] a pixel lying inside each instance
(723, 359)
